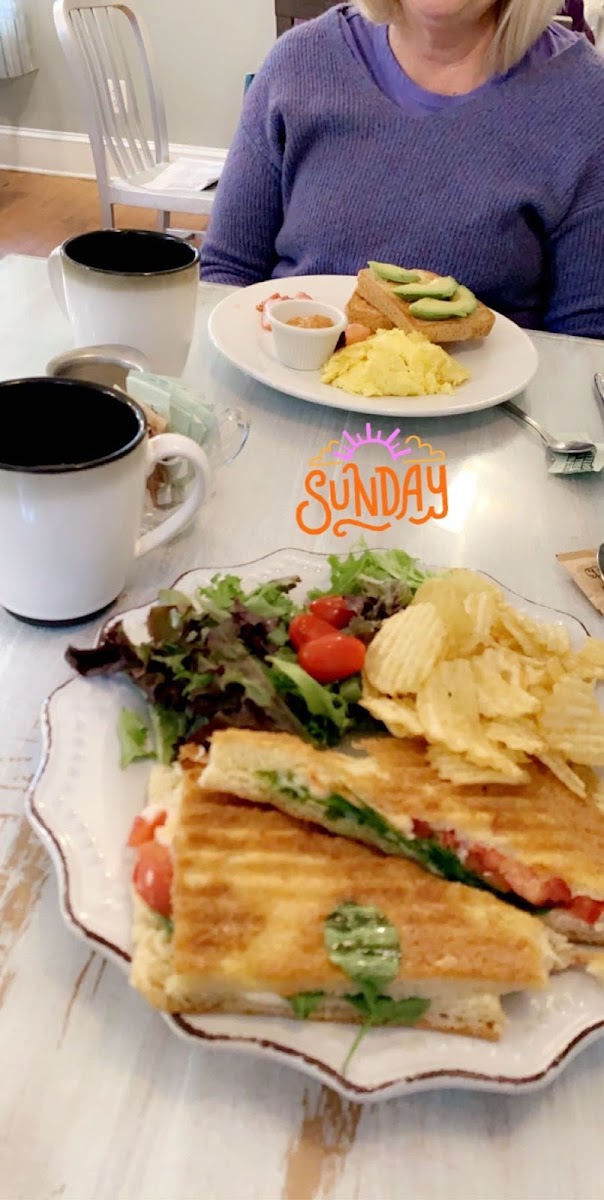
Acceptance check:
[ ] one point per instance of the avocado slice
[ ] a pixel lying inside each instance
(392, 273)
(442, 288)
(462, 304)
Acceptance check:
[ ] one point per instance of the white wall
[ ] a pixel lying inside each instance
(204, 50)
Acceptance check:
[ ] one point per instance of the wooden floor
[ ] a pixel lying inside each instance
(38, 212)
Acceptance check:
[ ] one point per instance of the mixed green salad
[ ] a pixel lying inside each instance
(226, 656)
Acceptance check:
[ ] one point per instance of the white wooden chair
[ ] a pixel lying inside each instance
(111, 58)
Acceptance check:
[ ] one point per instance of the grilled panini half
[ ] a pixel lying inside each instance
(252, 890)
(537, 843)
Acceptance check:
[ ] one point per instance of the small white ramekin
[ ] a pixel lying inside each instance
(304, 349)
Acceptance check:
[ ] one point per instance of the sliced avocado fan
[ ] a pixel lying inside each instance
(462, 304)
(393, 274)
(442, 288)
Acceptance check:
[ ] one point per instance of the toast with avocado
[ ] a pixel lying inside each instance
(437, 306)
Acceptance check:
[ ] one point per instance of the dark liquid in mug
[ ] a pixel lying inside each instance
(56, 425)
(130, 252)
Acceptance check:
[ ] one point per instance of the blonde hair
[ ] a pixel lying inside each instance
(519, 24)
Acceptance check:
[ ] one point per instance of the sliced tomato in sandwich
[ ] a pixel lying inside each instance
(583, 908)
(143, 828)
(152, 877)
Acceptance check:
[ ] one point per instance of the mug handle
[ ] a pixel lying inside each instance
(175, 445)
(55, 275)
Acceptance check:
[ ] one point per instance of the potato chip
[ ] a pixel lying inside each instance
(516, 735)
(481, 607)
(572, 723)
(499, 696)
(493, 687)
(460, 580)
(405, 650)
(588, 662)
(449, 594)
(534, 636)
(460, 771)
(534, 671)
(398, 715)
(447, 707)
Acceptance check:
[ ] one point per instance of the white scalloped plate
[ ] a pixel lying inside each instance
(81, 804)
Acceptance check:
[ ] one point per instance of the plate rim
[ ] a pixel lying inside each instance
(348, 401)
(455, 1078)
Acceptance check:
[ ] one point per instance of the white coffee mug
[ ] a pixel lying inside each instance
(74, 459)
(131, 287)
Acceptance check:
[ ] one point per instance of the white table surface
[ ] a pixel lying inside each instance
(98, 1100)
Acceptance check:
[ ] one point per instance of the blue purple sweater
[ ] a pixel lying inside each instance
(505, 191)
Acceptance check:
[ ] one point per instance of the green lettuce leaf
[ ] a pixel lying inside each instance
(134, 738)
(320, 701)
(349, 575)
(168, 728)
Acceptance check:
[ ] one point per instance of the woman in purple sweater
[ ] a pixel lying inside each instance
(462, 136)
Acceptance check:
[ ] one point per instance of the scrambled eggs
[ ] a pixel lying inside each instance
(394, 363)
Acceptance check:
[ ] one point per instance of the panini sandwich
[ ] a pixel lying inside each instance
(537, 844)
(252, 894)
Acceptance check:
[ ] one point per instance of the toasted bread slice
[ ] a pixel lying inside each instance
(252, 889)
(360, 311)
(541, 830)
(380, 294)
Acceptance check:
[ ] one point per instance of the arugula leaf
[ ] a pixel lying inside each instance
(272, 600)
(267, 601)
(350, 574)
(216, 600)
(134, 738)
(337, 808)
(364, 944)
(305, 1003)
(383, 1010)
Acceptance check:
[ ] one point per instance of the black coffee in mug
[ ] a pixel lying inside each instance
(130, 252)
(74, 460)
(130, 287)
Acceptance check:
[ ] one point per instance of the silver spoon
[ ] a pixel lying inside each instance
(558, 447)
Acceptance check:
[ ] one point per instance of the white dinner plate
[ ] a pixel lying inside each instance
(500, 366)
(81, 804)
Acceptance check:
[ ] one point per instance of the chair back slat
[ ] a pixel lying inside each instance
(84, 27)
(124, 72)
(123, 124)
(109, 50)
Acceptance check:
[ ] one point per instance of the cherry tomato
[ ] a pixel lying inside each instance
(152, 877)
(306, 627)
(586, 909)
(143, 828)
(332, 657)
(332, 609)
